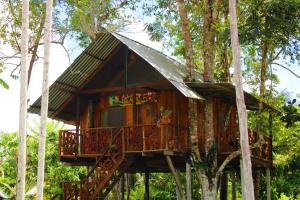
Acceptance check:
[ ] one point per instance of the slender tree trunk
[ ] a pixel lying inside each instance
(35, 47)
(23, 103)
(188, 181)
(243, 126)
(44, 104)
(187, 37)
(211, 15)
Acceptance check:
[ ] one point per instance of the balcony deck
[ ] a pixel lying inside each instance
(138, 139)
(150, 143)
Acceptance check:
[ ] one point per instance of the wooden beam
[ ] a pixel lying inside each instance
(93, 56)
(77, 122)
(122, 187)
(97, 58)
(224, 186)
(117, 88)
(176, 176)
(147, 193)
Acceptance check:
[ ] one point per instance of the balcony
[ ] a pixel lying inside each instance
(260, 145)
(93, 142)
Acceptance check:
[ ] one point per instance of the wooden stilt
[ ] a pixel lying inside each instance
(233, 186)
(122, 187)
(176, 176)
(256, 180)
(188, 181)
(146, 195)
(268, 176)
(128, 185)
(224, 185)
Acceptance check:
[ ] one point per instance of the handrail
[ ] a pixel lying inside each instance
(102, 156)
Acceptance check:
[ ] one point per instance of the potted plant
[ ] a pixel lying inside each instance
(165, 115)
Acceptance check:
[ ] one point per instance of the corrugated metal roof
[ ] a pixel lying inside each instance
(97, 52)
(77, 73)
(172, 70)
(226, 90)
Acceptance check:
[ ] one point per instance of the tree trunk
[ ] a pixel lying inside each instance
(211, 15)
(44, 104)
(187, 37)
(242, 113)
(23, 103)
(35, 47)
(188, 181)
(209, 188)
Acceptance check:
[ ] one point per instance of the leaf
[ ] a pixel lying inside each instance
(4, 84)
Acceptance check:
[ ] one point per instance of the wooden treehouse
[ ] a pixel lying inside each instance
(128, 103)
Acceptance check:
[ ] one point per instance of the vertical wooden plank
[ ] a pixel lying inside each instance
(174, 122)
(77, 123)
(224, 186)
(183, 121)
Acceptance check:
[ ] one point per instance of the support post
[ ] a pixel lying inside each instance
(77, 122)
(147, 193)
(233, 186)
(188, 181)
(122, 187)
(176, 176)
(224, 186)
(268, 176)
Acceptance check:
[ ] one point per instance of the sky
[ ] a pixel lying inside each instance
(9, 99)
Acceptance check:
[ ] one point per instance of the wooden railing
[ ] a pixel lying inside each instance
(261, 146)
(103, 175)
(137, 138)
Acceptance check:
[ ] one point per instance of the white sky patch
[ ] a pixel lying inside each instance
(9, 99)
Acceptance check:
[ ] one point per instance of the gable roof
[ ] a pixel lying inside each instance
(97, 53)
(172, 70)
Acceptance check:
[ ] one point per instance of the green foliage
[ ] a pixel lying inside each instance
(162, 186)
(88, 18)
(291, 113)
(55, 172)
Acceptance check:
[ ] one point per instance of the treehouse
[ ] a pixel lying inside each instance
(129, 106)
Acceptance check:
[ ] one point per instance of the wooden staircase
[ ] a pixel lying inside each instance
(103, 176)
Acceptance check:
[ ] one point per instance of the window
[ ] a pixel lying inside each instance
(113, 116)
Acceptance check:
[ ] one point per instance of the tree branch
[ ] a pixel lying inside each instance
(286, 69)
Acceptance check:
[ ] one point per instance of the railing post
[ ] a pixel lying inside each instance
(143, 135)
(77, 123)
(123, 139)
(59, 144)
